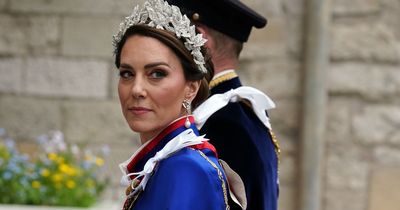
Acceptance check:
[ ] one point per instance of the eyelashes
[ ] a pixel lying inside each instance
(158, 74)
(153, 74)
(125, 74)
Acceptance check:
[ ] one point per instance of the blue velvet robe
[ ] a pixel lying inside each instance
(184, 181)
(246, 145)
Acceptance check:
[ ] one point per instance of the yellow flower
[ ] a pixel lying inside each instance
(70, 184)
(45, 172)
(52, 156)
(57, 178)
(99, 161)
(36, 184)
(66, 169)
(72, 171)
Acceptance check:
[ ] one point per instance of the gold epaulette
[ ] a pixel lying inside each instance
(222, 78)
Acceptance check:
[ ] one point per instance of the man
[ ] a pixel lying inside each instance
(238, 129)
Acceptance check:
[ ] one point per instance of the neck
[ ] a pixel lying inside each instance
(223, 63)
(145, 137)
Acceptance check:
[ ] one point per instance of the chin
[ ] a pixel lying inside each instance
(140, 127)
(136, 128)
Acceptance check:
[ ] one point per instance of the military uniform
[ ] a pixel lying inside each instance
(248, 146)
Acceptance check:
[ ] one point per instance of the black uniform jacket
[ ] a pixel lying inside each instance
(244, 142)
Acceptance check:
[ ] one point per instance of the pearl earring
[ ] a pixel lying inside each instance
(186, 104)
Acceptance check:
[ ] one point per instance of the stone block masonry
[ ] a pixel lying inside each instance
(25, 118)
(3, 4)
(57, 73)
(385, 186)
(66, 78)
(88, 37)
(96, 121)
(13, 35)
(357, 7)
(364, 41)
(24, 35)
(74, 7)
(11, 75)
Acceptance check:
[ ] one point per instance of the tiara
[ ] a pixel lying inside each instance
(159, 14)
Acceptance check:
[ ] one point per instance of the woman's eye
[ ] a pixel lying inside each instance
(125, 74)
(158, 74)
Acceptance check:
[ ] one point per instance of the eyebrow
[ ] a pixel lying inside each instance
(150, 65)
(124, 65)
(147, 66)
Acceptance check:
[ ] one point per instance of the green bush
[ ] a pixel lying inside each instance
(59, 175)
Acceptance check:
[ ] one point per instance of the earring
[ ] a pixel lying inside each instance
(186, 104)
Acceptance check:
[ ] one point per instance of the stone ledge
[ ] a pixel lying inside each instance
(358, 7)
(104, 205)
(71, 6)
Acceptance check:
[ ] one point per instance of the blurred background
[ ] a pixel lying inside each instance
(57, 73)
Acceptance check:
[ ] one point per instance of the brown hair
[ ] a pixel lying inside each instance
(190, 69)
(224, 44)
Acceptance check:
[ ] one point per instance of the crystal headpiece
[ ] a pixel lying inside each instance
(159, 14)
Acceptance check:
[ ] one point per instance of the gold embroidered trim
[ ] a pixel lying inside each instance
(222, 78)
(277, 147)
(220, 176)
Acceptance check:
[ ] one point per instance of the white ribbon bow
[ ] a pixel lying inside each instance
(184, 139)
(259, 102)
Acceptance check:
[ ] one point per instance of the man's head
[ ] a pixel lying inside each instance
(230, 17)
(226, 24)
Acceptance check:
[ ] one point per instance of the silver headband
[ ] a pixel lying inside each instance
(159, 14)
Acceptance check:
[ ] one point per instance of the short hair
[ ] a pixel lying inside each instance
(190, 69)
(224, 44)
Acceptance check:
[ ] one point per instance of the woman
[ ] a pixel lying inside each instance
(163, 74)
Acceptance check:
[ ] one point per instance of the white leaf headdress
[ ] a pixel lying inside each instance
(159, 14)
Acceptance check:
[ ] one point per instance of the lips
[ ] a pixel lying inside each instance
(139, 110)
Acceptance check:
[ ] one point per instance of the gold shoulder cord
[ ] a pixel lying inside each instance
(220, 176)
(277, 147)
(222, 78)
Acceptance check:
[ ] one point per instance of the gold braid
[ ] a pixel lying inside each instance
(223, 78)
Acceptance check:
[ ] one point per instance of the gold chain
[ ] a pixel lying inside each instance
(277, 147)
(220, 176)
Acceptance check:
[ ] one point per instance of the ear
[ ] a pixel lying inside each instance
(202, 30)
(192, 87)
(206, 35)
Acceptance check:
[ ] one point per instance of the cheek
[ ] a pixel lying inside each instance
(170, 99)
(123, 92)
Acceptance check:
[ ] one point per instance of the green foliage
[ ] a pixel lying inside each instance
(58, 175)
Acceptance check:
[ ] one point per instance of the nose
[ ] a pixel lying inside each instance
(138, 88)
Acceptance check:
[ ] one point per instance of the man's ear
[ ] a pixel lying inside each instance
(202, 30)
(192, 89)
(206, 35)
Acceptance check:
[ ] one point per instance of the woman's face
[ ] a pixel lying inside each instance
(152, 85)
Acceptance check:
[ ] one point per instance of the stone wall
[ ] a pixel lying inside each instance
(362, 150)
(56, 72)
